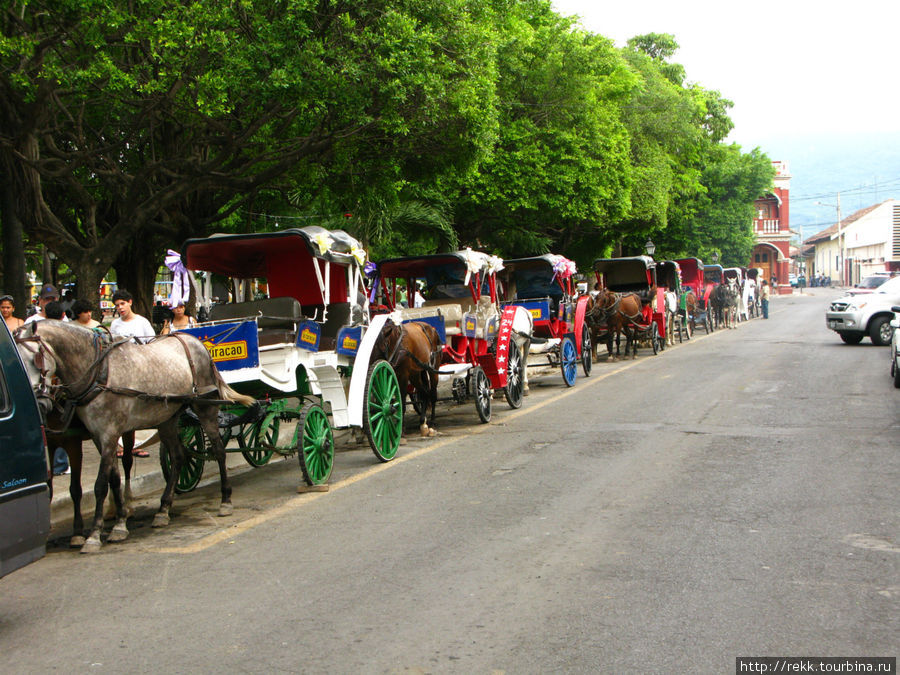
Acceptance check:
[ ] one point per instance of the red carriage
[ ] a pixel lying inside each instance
(544, 285)
(457, 294)
(637, 276)
(693, 278)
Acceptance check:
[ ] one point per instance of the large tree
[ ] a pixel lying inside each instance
(127, 123)
(559, 172)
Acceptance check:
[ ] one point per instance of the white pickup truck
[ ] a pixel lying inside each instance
(855, 316)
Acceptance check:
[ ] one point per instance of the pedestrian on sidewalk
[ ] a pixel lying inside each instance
(764, 299)
(131, 325)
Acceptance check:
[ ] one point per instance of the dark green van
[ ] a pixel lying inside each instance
(24, 493)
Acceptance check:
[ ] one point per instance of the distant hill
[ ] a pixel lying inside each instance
(863, 167)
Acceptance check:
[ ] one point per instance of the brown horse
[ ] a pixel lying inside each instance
(690, 308)
(610, 315)
(414, 350)
(123, 387)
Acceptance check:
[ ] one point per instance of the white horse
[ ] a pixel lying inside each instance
(671, 313)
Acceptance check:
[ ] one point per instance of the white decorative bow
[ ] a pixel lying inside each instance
(181, 279)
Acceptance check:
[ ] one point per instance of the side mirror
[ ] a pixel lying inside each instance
(895, 308)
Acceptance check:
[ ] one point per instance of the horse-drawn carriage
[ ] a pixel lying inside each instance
(483, 343)
(544, 285)
(695, 301)
(668, 278)
(298, 339)
(755, 276)
(630, 301)
(736, 279)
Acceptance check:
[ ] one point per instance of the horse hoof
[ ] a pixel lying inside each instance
(92, 545)
(77, 541)
(160, 520)
(225, 509)
(119, 533)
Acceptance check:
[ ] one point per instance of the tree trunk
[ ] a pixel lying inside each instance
(88, 278)
(136, 271)
(13, 250)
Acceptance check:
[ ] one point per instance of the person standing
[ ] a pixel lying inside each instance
(81, 311)
(130, 325)
(179, 321)
(7, 307)
(47, 295)
(764, 299)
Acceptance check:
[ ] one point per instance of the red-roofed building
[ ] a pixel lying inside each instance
(773, 234)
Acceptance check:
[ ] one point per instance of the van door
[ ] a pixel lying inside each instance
(24, 493)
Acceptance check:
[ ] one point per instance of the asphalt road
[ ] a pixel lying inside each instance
(733, 496)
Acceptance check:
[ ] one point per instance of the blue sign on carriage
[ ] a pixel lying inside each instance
(309, 333)
(232, 346)
(348, 340)
(539, 309)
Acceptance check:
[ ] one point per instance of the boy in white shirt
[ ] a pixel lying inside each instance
(131, 325)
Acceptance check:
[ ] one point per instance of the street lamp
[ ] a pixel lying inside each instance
(840, 235)
(650, 247)
(715, 257)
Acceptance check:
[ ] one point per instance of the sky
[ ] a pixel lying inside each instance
(791, 68)
(813, 84)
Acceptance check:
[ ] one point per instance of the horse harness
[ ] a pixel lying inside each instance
(399, 350)
(67, 397)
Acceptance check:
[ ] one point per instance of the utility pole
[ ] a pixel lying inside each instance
(841, 243)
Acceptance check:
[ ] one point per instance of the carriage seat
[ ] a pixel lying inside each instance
(276, 318)
(451, 309)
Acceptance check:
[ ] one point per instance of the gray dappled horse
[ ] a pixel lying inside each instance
(724, 300)
(125, 386)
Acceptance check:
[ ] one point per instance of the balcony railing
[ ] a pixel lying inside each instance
(768, 225)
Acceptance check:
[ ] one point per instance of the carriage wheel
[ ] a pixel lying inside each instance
(383, 410)
(568, 357)
(587, 351)
(709, 322)
(262, 437)
(194, 441)
(481, 390)
(654, 338)
(315, 444)
(515, 376)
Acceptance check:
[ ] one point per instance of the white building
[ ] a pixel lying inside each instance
(868, 241)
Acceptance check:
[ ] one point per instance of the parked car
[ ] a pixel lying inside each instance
(24, 472)
(855, 317)
(869, 283)
(792, 279)
(895, 347)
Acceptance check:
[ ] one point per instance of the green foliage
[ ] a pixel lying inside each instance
(126, 127)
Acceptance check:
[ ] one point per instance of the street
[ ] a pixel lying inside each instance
(735, 495)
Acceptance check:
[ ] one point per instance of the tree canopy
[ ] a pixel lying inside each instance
(418, 124)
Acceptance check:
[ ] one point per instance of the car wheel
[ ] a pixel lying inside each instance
(881, 331)
(896, 374)
(851, 338)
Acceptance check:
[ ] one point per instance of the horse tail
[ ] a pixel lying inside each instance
(226, 393)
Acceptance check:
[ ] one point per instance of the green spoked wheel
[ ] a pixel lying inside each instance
(515, 376)
(259, 440)
(194, 441)
(315, 444)
(382, 410)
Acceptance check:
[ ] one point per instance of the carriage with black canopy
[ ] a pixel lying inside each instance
(295, 334)
(456, 293)
(668, 278)
(635, 276)
(698, 312)
(544, 285)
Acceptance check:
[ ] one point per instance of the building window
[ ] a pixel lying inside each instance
(765, 257)
(756, 258)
